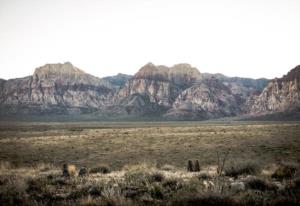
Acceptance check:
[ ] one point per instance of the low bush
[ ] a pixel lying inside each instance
(204, 176)
(155, 177)
(284, 172)
(259, 184)
(242, 169)
(286, 201)
(13, 191)
(68, 170)
(103, 169)
(168, 168)
(171, 184)
(203, 199)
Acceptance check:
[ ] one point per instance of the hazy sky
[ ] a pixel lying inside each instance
(254, 38)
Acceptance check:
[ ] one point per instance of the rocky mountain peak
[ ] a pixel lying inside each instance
(279, 95)
(65, 74)
(293, 74)
(150, 71)
(118, 80)
(54, 88)
(54, 70)
(178, 74)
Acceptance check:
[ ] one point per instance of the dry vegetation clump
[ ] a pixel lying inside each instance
(12, 190)
(284, 201)
(259, 184)
(285, 171)
(141, 184)
(69, 170)
(207, 199)
(168, 167)
(156, 177)
(204, 176)
(245, 168)
(296, 182)
(83, 171)
(103, 169)
(5, 166)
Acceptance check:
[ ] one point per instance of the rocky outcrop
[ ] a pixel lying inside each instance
(241, 87)
(118, 80)
(179, 92)
(140, 104)
(280, 95)
(2, 83)
(55, 88)
(208, 99)
(160, 83)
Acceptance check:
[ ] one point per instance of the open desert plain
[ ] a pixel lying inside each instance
(148, 163)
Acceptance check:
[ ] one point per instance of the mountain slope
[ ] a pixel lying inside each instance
(280, 95)
(162, 84)
(118, 80)
(54, 88)
(241, 87)
(179, 92)
(206, 100)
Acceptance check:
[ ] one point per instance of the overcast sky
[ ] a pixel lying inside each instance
(255, 38)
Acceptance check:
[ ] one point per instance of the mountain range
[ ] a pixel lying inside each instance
(180, 92)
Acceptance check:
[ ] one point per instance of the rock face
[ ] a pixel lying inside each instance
(208, 99)
(160, 83)
(179, 92)
(118, 80)
(55, 88)
(241, 87)
(280, 95)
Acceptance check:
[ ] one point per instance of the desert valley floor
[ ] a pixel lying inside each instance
(119, 143)
(145, 163)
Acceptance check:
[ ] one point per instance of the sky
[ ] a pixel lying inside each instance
(246, 38)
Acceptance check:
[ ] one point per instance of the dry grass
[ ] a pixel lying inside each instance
(147, 163)
(141, 184)
(90, 144)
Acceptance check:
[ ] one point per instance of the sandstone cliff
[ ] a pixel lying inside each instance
(179, 92)
(55, 88)
(208, 99)
(162, 84)
(280, 95)
(119, 80)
